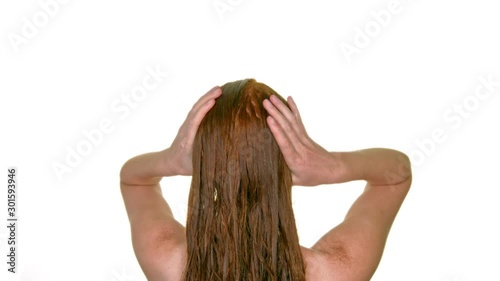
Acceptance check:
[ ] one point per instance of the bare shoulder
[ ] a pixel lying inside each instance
(323, 266)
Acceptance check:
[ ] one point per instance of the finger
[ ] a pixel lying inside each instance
(197, 113)
(214, 93)
(284, 125)
(284, 143)
(211, 94)
(296, 113)
(282, 108)
(204, 104)
(196, 119)
(293, 107)
(276, 114)
(285, 118)
(292, 116)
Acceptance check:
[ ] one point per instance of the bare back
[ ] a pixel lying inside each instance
(170, 266)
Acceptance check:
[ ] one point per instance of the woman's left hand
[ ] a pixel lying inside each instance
(180, 153)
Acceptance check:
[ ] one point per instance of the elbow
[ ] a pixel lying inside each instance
(124, 173)
(399, 171)
(404, 167)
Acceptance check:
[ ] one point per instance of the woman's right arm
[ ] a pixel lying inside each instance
(377, 166)
(360, 239)
(356, 245)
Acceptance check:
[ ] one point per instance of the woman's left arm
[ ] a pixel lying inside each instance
(157, 238)
(147, 169)
(154, 228)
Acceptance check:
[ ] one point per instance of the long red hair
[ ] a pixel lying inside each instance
(240, 222)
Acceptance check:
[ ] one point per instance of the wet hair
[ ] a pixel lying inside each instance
(240, 222)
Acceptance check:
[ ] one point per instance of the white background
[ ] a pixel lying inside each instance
(395, 91)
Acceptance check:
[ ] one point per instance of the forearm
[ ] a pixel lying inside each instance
(146, 169)
(378, 166)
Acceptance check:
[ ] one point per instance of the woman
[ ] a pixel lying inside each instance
(245, 147)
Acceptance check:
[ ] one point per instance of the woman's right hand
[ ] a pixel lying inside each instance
(309, 163)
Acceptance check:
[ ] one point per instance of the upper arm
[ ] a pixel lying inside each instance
(359, 241)
(156, 236)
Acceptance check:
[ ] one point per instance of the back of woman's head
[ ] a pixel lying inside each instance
(240, 223)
